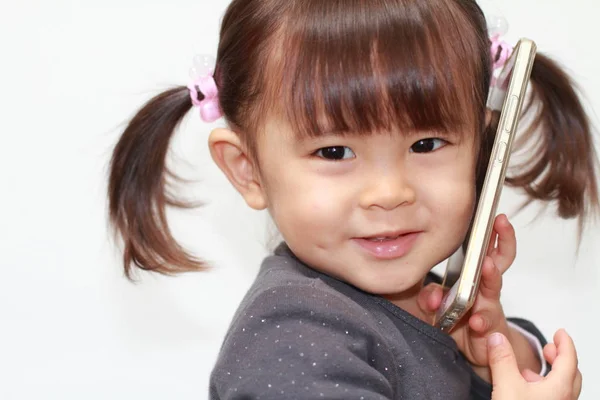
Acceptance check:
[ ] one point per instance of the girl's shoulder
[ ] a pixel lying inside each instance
(285, 285)
(296, 329)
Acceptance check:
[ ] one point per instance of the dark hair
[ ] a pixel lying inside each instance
(349, 66)
(563, 166)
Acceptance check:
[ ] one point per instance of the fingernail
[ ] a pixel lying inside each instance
(495, 339)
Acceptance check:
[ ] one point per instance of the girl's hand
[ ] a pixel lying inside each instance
(562, 383)
(486, 315)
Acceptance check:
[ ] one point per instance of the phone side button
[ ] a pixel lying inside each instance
(501, 152)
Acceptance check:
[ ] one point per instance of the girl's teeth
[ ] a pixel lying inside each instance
(383, 239)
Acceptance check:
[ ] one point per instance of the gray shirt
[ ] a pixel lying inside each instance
(300, 334)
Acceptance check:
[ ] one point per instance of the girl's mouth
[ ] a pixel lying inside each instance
(388, 246)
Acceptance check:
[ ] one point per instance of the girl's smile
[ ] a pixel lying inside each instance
(388, 246)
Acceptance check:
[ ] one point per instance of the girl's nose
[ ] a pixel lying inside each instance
(387, 191)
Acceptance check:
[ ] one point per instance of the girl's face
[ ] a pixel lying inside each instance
(375, 211)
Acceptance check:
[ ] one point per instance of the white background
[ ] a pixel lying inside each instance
(71, 327)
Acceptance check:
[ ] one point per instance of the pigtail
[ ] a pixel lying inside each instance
(563, 165)
(137, 187)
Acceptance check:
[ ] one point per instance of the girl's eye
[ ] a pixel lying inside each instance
(335, 153)
(428, 145)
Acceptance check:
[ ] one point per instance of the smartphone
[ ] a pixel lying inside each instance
(463, 271)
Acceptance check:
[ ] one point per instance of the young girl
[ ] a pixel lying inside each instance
(362, 127)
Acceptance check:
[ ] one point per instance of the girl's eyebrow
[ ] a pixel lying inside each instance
(410, 134)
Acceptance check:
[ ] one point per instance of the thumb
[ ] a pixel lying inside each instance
(503, 363)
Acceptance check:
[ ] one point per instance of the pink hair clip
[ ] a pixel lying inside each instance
(501, 52)
(204, 82)
(499, 49)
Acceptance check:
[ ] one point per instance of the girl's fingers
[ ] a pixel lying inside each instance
(507, 243)
(565, 363)
(480, 322)
(491, 280)
(430, 298)
(503, 363)
(550, 353)
(486, 321)
(564, 380)
(564, 344)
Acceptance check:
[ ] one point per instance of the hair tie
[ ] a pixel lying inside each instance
(501, 52)
(203, 81)
(499, 49)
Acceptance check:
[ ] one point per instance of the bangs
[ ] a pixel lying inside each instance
(362, 67)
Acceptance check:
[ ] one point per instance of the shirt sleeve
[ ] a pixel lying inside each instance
(301, 342)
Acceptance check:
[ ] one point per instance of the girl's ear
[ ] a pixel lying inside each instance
(232, 158)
